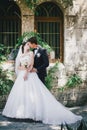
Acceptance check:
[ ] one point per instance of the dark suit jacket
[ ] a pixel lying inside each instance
(41, 61)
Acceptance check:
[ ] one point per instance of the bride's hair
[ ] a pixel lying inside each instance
(23, 44)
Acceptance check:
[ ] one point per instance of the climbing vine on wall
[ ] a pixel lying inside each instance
(33, 3)
(67, 2)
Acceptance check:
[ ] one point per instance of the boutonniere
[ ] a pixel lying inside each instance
(38, 54)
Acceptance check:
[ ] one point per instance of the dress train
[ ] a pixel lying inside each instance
(31, 99)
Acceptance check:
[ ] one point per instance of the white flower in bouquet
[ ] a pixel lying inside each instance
(25, 64)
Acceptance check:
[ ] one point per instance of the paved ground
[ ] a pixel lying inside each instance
(12, 124)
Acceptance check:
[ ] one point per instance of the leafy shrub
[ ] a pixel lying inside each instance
(50, 79)
(33, 3)
(73, 81)
(5, 83)
(3, 52)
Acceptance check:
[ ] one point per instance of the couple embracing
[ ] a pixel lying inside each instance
(39, 57)
(29, 97)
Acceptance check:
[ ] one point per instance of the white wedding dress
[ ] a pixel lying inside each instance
(30, 99)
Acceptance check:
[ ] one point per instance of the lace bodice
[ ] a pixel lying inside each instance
(25, 60)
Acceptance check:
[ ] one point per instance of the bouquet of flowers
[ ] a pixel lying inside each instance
(25, 63)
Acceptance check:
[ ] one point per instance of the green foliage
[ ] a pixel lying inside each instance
(27, 35)
(5, 82)
(73, 81)
(68, 2)
(3, 52)
(33, 3)
(50, 79)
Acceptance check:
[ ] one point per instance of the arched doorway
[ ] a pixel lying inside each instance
(10, 23)
(49, 23)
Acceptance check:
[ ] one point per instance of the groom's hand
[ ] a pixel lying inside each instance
(34, 70)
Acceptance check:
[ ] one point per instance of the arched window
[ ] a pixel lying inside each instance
(49, 23)
(10, 23)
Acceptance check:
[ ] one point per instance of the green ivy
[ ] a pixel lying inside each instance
(73, 81)
(50, 79)
(68, 2)
(5, 83)
(33, 3)
(3, 52)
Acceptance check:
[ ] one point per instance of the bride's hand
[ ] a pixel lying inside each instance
(22, 68)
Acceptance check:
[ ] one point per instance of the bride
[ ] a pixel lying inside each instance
(29, 97)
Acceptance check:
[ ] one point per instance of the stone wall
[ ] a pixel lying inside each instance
(27, 17)
(72, 97)
(75, 96)
(75, 38)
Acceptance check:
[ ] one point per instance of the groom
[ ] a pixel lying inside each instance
(41, 60)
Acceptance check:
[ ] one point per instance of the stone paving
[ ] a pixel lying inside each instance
(13, 124)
